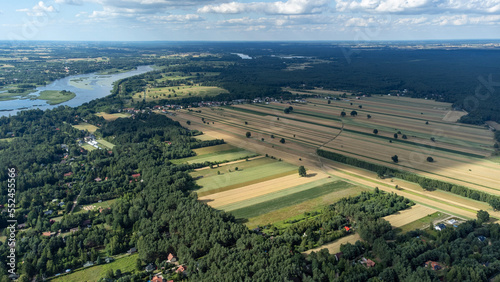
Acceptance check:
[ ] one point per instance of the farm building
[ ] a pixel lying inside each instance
(440, 227)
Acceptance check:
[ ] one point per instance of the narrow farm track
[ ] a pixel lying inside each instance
(292, 151)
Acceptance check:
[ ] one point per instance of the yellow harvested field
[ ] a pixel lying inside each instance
(259, 189)
(334, 247)
(111, 117)
(85, 126)
(409, 215)
(454, 116)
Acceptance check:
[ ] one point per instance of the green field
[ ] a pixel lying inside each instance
(245, 176)
(105, 143)
(213, 149)
(221, 156)
(88, 147)
(178, 92)
(86, 126)
(225, 168)
(296, 212)
(126, 264)
(288, 200)
(277, 195)
(54, 97)
(8, 139)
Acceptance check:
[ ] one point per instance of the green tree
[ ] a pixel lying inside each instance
(282, 141)
(368, 116)
(138, 264)
(248, 134)
(354, 113)
(302, 171)
(375, 131)
(188, 122)
(342, 114)
(483, 216)
(395, 136)
(395, 158)
(430, 159)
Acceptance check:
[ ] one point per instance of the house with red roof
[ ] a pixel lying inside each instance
(433, 265)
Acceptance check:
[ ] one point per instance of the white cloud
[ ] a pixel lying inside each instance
(172, 18)
(458, 20)
(411, 21)
(38, 10)
(70, 2)
(290, 7)
(418, 6)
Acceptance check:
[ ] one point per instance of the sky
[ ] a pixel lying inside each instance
(227, 20)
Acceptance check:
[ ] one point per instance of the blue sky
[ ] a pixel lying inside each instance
(356, 20)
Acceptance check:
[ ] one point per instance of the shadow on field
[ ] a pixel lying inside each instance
(206, 201)
(242, 220)
(311, 174)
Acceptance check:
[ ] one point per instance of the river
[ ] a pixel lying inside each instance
(87, 87)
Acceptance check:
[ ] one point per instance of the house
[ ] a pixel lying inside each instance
(347, 228)
(433, 265)
(440, 227)
(109, 259)
(132, 250)
(481, 238)
(61, 204)
(136, 175)
(150, 267)
(452, 221)
(171, 258)
(180, 269)
(68, 174)
(88, 263)
(49, 212)
(367, 262)
(98, 179)
(73, 230)
(157, 278)
(47, 234)
(68, 270)
(370, 263)
(21, 226)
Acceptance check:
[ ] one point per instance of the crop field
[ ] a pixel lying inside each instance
(88, 147)
(247, 176)
(264, 189)
(334, 247)
(214, 149)
(105, 143)
(460, 152)
(220, 156)
(248, 193)
(282, 200)
(177, 92)
(126, 264)
(296, 212)
(423, 222)
(85, 126)
(111, 117)
(409, 215)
